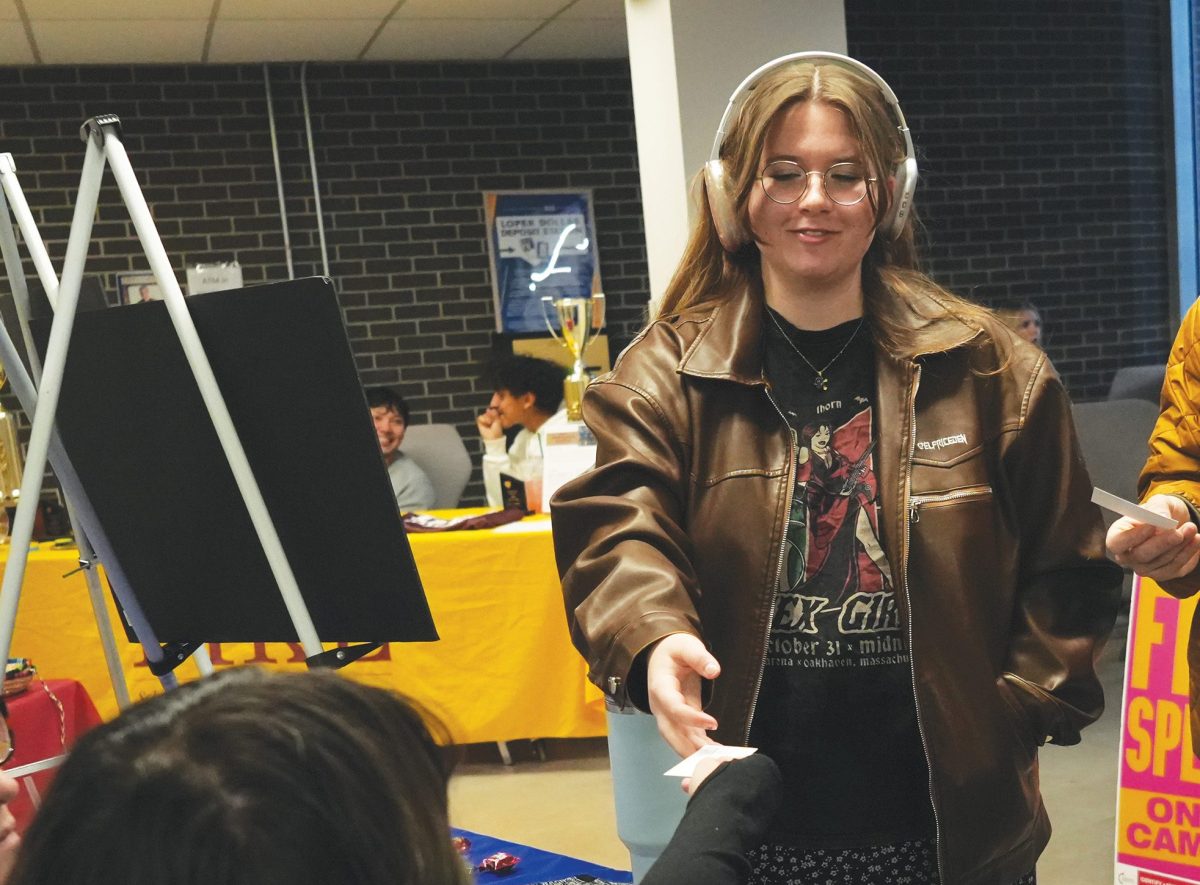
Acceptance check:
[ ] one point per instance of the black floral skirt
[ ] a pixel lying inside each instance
(905, 863)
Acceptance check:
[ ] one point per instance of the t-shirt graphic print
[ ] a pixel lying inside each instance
(836, 583)
(835, 708)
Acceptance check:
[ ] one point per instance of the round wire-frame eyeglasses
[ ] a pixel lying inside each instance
(785, 182)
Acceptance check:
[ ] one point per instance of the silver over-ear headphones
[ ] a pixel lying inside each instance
(722, 201)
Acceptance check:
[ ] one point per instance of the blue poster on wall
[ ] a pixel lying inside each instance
(541, 244)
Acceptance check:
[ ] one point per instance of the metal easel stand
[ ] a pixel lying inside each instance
(103, 137)
(26, 394)
(90, 536)
(24, 390)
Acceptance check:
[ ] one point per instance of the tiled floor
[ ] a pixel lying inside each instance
(565, 804)
(1079, 785)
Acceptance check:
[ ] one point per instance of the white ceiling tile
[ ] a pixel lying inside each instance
(375, 10)
(429, 40)
(86, 31)
(596, 9)
(115, 42)
(480, 9)
(14, 45)
(125, 10)
(601, 38)
(255, 41)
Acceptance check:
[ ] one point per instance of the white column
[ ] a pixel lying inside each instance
(686, 57)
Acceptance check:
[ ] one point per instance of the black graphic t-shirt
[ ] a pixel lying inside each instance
(836, 707)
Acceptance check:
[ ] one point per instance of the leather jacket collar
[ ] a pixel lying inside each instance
(730, 344)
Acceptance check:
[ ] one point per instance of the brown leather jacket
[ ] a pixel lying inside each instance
(985, 517)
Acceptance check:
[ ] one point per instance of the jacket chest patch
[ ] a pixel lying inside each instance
(936, 445)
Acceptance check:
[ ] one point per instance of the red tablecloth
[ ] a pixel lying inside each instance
(40, 733)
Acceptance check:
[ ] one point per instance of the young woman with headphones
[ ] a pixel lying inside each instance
(900, 605)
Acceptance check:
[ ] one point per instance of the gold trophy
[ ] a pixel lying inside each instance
(12, 465)
(580, 320)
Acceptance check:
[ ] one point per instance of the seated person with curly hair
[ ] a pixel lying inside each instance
(527, 394)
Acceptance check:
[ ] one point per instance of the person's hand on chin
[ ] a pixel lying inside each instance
(489, 424)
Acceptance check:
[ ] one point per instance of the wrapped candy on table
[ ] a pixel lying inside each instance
(500, 862)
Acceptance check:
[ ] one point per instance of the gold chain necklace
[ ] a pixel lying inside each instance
(821, 382)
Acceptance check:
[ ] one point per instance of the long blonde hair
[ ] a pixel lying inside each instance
(890, 268)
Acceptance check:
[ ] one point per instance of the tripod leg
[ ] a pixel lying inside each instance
(43, 419)
(103, 623)
(79, 509)
(202, 659)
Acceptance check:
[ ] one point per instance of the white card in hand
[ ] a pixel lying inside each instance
(687, 767)
(1116, 504)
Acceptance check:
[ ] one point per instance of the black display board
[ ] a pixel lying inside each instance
(135, 427)
(91, 297)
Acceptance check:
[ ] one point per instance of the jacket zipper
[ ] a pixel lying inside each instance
(912, 658)
(787, 512)
(916, 502)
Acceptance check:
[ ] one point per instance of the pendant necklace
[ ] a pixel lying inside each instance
(820, 382)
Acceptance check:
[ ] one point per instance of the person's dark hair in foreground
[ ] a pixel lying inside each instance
(249, 777)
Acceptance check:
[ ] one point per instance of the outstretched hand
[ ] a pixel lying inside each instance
(1158, 554)
(673, 675)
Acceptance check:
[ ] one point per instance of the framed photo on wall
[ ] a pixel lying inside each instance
(135, 288)
(541, 243)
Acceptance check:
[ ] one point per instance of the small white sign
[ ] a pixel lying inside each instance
(1117, 504)
(215, 277)
(687, 767)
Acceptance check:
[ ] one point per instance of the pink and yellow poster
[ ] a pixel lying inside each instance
(1158, 802)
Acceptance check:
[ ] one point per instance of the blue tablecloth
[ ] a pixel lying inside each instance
(536, 866)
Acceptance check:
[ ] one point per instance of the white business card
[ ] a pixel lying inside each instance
(1116, 504)
(687, 767)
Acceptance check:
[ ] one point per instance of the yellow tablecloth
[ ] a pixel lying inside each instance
(504, 668)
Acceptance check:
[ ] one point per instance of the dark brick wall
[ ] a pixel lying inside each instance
(1043, 135)
(403, 153)
(1043, 132)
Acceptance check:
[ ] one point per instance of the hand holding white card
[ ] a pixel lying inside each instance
(688, 766)
(1116, 504)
